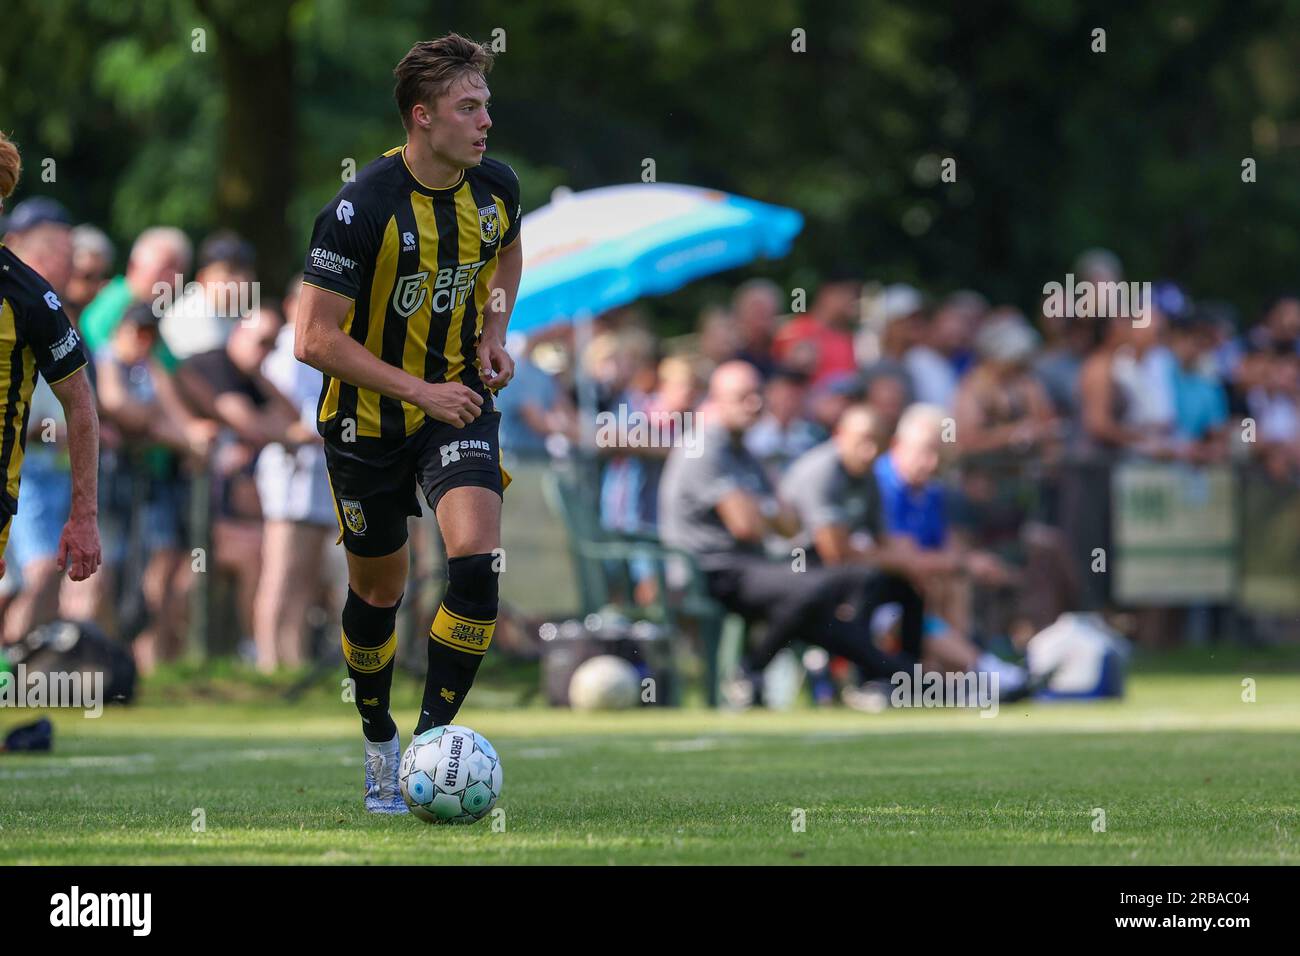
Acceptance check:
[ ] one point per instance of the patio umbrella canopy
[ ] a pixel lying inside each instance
(596, 250)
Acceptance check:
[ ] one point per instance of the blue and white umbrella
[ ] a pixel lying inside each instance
(596, 250)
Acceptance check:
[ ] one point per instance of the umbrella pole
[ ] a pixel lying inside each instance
(583, 325)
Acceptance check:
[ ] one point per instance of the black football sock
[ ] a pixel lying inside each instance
(369, 644)
(461, 633)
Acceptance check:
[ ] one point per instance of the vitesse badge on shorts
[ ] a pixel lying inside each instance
(489, 224)
(353, 515)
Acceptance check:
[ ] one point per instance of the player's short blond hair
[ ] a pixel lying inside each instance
(431, 66)
(11, 167)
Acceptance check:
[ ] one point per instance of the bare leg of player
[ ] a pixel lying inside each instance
(378, 581)
(470, 521)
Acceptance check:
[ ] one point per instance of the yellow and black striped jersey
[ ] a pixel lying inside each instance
(416, 263)
(35, 337)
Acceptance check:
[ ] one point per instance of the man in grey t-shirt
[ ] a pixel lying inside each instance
(834, 491)
(719, 506)
(694, 487)
(715, 500)
(833, 487)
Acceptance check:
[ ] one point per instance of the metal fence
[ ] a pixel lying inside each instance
(1140, 535)
(1146, 535)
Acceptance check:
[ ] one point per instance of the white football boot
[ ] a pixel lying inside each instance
(382, 763)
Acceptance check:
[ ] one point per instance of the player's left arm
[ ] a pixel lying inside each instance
(61, 359)
(498, 368)
(79, 550)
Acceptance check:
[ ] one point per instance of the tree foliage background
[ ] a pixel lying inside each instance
(1057, 147)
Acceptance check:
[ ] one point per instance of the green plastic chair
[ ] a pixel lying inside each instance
(602, 562)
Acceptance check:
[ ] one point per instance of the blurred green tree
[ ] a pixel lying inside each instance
(844, 110)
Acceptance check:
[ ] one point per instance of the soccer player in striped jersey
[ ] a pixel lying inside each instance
(407, 290)
(36, 337)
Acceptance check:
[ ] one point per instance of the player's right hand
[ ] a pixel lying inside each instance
(79, 553)
(450, 402)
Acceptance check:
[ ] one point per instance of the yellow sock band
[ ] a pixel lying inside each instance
(461, 633)
(369, 660)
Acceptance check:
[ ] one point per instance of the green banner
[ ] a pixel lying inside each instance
(1175, 533)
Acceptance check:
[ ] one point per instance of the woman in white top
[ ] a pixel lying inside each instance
(298, 511)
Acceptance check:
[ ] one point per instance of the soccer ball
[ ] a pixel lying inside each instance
(604, 683)
(450, 775)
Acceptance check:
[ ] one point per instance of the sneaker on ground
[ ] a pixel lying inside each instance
(382, 763)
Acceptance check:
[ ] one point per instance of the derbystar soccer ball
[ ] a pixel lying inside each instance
(450, 775)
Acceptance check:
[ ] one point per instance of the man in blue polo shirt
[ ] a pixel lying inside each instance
(916, 520)
(915, 503)
(917, 511)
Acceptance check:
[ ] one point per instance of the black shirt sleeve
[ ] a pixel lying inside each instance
(503, 182)
(344, 242)
(46, 329)
(513, 209)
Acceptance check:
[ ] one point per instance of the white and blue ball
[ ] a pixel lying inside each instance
(450, 775)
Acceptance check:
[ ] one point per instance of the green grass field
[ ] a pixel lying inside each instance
(1184, 770)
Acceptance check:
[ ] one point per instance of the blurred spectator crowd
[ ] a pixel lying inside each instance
(205, 418)
(1000, 479)
(979, 424)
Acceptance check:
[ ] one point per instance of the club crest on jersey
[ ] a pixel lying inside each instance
(353, 515)
(489, 224)
(409, 293)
